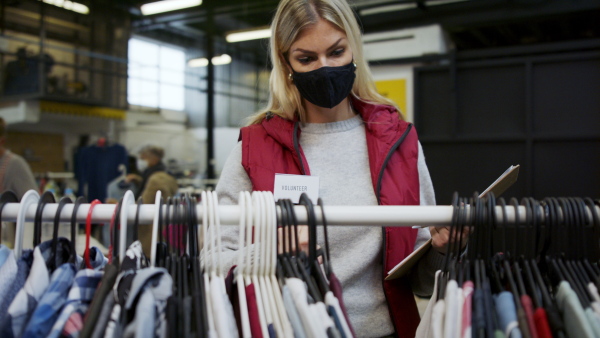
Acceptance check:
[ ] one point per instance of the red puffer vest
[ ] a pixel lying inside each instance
(272, 147)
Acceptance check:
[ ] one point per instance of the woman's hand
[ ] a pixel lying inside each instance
(440, 238)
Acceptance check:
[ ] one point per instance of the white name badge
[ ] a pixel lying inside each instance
(292, 186)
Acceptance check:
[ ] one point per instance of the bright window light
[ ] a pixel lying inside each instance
(246, 35)
(156, 75)
(69, 5)
(168, 5)
(216, 60)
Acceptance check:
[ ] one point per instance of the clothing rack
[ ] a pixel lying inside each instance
(403, 215)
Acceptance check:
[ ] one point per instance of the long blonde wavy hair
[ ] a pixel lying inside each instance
(291, 17)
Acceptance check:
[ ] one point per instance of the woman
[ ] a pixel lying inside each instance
(325, 118)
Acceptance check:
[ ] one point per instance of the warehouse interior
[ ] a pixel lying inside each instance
(488, 84)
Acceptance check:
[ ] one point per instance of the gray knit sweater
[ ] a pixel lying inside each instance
(337, 153)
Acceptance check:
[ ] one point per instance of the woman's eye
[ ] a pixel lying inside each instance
(338, 52)
(304, 60)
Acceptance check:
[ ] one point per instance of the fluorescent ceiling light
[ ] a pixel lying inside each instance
(216, 60)
(401, 7)
(246, 35)
(168, 5)
(69, 5)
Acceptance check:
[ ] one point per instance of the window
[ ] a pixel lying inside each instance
(156, 75)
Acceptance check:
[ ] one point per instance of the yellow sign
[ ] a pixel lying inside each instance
(394, 90)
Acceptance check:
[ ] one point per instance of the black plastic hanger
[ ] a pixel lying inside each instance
(51, 261)
(6, 197)
(47, 197)
(326, 257)
(315, 269)
(285, 240)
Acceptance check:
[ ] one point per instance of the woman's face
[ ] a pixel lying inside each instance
(322, 44)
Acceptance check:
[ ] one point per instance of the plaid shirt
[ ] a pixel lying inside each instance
(70, 320)
(51, 303)
(26, 301)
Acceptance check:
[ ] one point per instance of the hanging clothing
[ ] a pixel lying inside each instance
(507, 314)
(11, 289)
(51, 303)
(574, 316)
(151, 288)
(26, 301)
(93, 318)
(80, 296)
(96, 167)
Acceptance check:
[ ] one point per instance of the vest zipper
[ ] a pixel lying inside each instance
(378, 192)
(297, 147)
(387, 158)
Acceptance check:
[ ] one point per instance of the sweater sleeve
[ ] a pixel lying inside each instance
(233, 179)
(422, 276)
(18, 176)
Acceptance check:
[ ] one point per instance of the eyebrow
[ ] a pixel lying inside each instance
(311, 52)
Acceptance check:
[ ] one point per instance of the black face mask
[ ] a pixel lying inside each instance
(327, 86)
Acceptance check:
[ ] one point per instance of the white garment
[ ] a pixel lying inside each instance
(451, 322)
(310, 321)
(331, 300)
(424, 328)
(223, 311)
(437, 318)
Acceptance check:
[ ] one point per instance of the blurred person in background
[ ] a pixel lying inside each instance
(154, 177)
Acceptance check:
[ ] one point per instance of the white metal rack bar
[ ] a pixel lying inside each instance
(230, 214)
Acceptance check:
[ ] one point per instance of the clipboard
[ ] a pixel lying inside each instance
(499, 186)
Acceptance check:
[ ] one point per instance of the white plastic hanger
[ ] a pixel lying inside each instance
(155, 222)
(265, 316)
(239, 276)
(128, 200)
(267, 263)
(206, 264)
(31, 197)
(278, 297)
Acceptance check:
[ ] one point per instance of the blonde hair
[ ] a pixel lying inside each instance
(291, 17)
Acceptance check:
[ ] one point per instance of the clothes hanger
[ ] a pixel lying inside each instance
(279, 304)
(88, 234)
(243, 304)
(201, 319)
(47, 197)
(326, 257)
(115, 224)
(78, 202)
(259, 260)
(31, 197)
(314, 266)
(6, 197)
(51, 261)
(283, 237)
(136, 223)
(291, 253)
(155, 226)
(206, 262)
(531, 208)
(128, 200)
(595, 224)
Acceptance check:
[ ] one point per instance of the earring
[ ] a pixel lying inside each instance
(290, 76)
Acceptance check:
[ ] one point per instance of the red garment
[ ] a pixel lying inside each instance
(336, 289)
(273, 147)
(528, 307)
(541, 323)
(253, 312)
